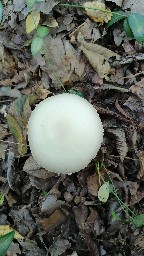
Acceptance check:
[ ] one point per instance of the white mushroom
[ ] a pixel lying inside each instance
(65, 133)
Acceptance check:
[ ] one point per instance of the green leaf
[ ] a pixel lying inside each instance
(116, 16)
(1, 11)
(42, 31)
(30, 4)
(36, 45)
(138, 220)
(5, 242)
(115, 216)
(127, 29)
(136, 23)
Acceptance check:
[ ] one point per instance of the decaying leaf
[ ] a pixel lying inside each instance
(64, 62)
(59, 247)
(4, 229)
(88, 31)
(121, 144)
(141, 172)
(93, 184)
(98, 56)
(16, 130)
(3, 132)
(17, 119)
(51, 22)
(32, 21)
(139, 242)
(32, 168)
(50, 204)
(53, 221)
(30, 248)
(138, 88)
(97, 11)
(47, 6)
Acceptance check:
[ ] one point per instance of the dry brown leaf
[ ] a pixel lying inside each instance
(3, 132)
(98, 56)
(120, 140)
(93, 184)
(32, 168)
(141, 171)
(139, 242)
(65, 64)
(51, 204)
(53, 221)
(86, 30)
(97, 11)
(81, 214)
(59, 247)
(138, 88)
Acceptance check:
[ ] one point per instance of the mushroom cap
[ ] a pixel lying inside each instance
(65, 133)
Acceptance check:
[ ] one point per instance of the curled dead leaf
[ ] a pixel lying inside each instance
(98, 56)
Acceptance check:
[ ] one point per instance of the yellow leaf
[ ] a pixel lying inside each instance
(97, 11)
(4, 229)
(17, 133)
(32, 21)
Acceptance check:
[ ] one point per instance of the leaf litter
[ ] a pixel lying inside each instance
(63, 215)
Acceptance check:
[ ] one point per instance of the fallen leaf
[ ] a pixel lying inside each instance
(81, 214)
(138, 88)
(98, 56)
(4, 229)
(18, 5)
(32, 168)
(50, 204)
(32, 21)
(103, 192)
(16, 130)
(7, 91)
(17, 118)
(47, 7)
(97, 11)
(139, 242)
(120, 141)
(141, 171)
(51, 22)
(57, 218)
(87, 30)
(3, 132)
(93, 184)
(59, 247)
(64, 64)
(30, 248)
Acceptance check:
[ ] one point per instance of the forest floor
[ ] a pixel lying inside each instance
(63, 215)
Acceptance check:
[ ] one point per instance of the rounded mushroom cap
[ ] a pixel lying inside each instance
(65, 133)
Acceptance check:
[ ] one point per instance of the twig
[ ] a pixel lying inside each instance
(127, 60)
